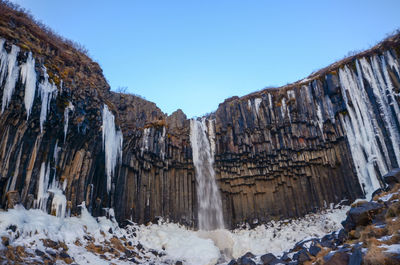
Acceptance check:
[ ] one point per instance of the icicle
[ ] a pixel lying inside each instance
(12, 75)
(69, 108)
(47, 91)
(112, 144)
(59, 202)
(3, 61)
(257, 103)
(360, 132)
(28, 76)
(320, 120)
(211, 136)
(161, 141)
(378, 85)
(43, 183)
(145, 144)
(393, 63)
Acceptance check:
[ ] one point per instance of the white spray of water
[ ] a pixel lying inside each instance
(112, 144)
(69, 108)
(28, 76)
(47, 90)
(208, 196)
(12, 74)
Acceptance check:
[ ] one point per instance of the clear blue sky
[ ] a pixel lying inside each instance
(193, 54)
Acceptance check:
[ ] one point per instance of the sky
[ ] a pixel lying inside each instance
(192, 55)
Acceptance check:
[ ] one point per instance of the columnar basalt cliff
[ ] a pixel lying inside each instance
(278, 153)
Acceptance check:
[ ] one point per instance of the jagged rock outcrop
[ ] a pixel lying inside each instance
(278, 153)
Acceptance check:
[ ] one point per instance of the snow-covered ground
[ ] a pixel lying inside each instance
(175, 241)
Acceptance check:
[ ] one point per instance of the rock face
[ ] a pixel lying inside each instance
(278, 153)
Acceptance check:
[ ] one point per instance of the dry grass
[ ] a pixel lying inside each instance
(376, 255)
(63, 58)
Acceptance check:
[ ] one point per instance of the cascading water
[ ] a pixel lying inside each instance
(209, 200)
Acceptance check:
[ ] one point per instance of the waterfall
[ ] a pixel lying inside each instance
(208, 197)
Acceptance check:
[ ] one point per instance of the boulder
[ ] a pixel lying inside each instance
(245, 261)
(269, 259)
(314, 250)
(361, 215)
(392, 178)
(301, 256)
(13, 199)
(356, 257)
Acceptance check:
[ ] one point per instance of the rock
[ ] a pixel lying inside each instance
(12, 228)
(39, 253)
(5, 241)
(356, 257)
(328, 241)
(13, 199)
(233, 262)
(361, 215)
(301, 256)
(179, 262)
(314, 250)
(248, 255)
(341, 237)
(245, 261)
(339, 258)
(392, 178)
(269, 259)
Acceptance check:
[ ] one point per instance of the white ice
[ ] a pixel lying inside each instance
(112, 144)
(9, 62)
(28, 76)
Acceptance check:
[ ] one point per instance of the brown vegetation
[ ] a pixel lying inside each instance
(63, 58)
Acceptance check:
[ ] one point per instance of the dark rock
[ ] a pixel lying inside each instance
(377, 192)
(301, 256)
(285, 257)
(339, 258)
(356, 257)
(179, 262)
(64, 255)
(12, 228)
(341, 237)
(233, 262)
(269, 259)
(39, 253)
(393, 177)
(361, 215)
(248, 255)
(314, 250)
(245, 261)
(5, 241)
(328, 241)
(13, 199)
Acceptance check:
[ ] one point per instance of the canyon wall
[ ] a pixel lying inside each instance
(278, 153)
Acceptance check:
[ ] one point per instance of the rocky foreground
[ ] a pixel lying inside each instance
(370, 235)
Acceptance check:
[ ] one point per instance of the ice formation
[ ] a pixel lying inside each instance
(28, 76)
(9, 62)
(46, 90)
(112, 144)
(69, 108)
(365, 136)
(209, 200)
